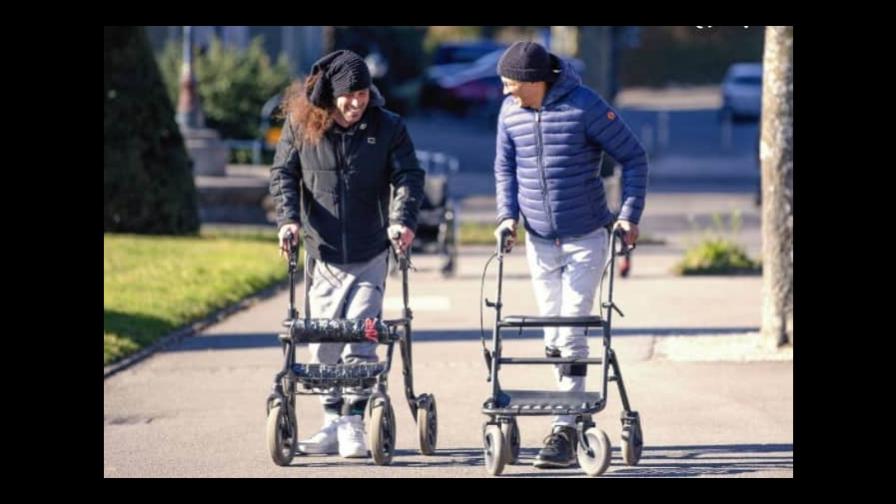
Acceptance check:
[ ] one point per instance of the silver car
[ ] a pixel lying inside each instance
(742, 91)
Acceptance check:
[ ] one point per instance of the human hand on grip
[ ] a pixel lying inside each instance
(290, 231)
(507, 225)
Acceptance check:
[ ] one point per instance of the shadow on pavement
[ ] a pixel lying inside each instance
(656, 461)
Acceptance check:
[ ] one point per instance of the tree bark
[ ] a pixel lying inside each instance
(776, 156)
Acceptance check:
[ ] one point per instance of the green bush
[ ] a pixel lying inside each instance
(233, 84)
(147, 180)
(718, 255)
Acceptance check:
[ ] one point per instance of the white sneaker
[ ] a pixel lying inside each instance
(350, 433)
(324, 441)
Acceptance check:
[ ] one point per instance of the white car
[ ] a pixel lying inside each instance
(742, 91)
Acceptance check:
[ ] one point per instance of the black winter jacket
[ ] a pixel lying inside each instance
(338, 191)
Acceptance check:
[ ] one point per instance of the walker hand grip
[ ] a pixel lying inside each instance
(619, 234)
(502, 240)
(402, 256)
(289, 238)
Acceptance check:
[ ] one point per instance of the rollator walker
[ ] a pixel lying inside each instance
(501, 435)
(318, 379)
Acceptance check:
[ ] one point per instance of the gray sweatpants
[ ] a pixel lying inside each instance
(565, 276)
(353, 290)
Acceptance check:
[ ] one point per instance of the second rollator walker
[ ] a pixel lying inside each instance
(501, 436)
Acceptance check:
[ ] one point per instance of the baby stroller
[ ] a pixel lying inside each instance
(501, 435)
(317, 379)
(437, 224)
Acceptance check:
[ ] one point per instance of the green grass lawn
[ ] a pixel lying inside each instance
(154, 284)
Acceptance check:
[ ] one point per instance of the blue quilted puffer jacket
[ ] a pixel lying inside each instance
(547, 166)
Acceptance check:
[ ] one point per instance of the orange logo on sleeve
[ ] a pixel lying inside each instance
(611, 115)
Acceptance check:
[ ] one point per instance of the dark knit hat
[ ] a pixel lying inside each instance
(340, 72)
(526, 62)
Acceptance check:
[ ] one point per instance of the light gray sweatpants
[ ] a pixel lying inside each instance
(565, 275)
(337, 291)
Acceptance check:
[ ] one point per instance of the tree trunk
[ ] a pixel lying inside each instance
(776, 156)
(329, 39)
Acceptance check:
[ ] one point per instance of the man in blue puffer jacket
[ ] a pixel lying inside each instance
(552, 133)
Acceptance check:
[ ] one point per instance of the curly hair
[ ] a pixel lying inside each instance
(310, 120)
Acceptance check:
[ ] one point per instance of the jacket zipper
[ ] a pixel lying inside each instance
(342, 193)
(544, 183)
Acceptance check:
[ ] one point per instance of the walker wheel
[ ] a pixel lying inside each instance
(511, 432)
(281, 435)
(381, 432)
(632, 441)
(596, 463)
(495, 449)
(427, 424)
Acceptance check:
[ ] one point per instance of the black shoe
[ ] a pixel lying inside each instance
(559, 449)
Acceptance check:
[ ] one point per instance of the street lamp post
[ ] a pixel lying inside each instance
(209, 154)
(189, 111)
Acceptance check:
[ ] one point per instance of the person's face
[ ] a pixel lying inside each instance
(350, 106)
(524, 93)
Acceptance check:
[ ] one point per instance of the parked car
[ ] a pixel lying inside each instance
(450, 59)
(463, 52)
(470, 88)
(742, 91)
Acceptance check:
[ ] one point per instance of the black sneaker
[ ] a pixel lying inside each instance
(559, 449)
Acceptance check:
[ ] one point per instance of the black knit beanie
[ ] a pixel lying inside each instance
(526, 62)
(340, 72)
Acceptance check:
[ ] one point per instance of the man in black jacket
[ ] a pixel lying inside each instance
(339, 153)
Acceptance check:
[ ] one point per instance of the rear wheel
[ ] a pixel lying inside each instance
(511, 433)
(427, 425)
(632, 441)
